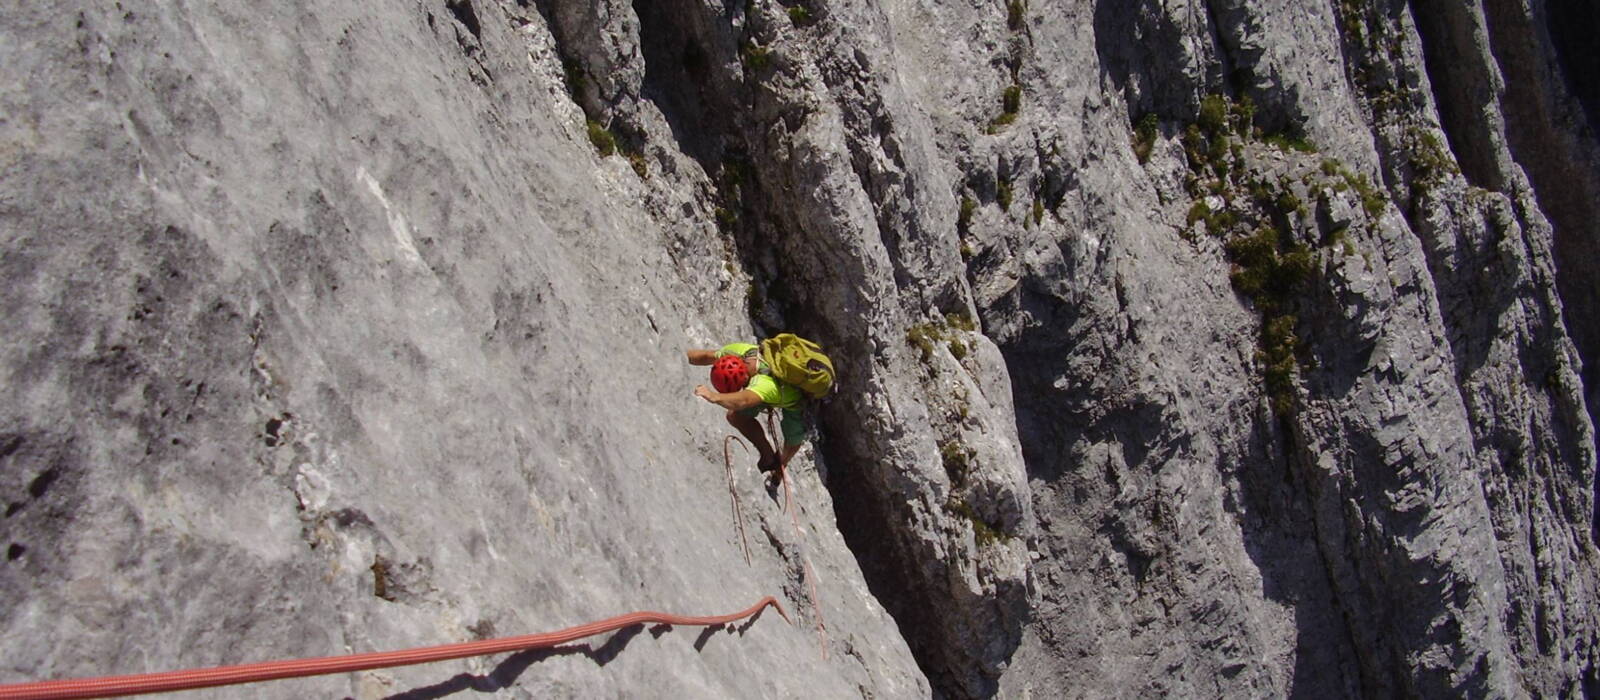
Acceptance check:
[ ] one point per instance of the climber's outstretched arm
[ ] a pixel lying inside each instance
(735, 401)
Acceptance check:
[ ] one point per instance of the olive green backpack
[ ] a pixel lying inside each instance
(800, 362)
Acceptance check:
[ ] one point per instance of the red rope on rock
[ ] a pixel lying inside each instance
(272, 670)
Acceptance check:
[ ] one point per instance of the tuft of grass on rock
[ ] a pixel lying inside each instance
(955, 457)
(1011, 99)
(576, 82)
(1430, 160)
(964, 215)
(960, 322)
(726, 218)
(604, 141)
(984, 533)
(925, 337)
(1010, 106)
(1289, 142)
(755, 57)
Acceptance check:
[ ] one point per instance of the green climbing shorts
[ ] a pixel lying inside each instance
(792, 423)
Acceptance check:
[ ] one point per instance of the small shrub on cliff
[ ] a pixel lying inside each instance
(960, 321)
(576, 83)
(1270, 271)
(1352, 15)
(1217, 152)
(1279, 346)
(1144, 137)
(958, 348)
(924, 337)
(1199, 211)
(1265, 269)
(1213, 115)
(955, 456)
(1220, 223)
(641, 166)
(755, 56)
(1010, 105)
(800, 16)
(607, 144)
(984, 533)
(1243, 115)
(1287, 202)
(726, 218)
(1289, 142)
(1011, 100)
(1195, 147)
(1429, 159)
(1373, 200)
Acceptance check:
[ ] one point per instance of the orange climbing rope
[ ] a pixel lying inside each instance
(272, 670)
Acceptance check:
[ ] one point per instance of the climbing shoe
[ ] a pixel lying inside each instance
(768, 463)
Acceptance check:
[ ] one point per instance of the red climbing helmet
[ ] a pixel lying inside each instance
(729, 374)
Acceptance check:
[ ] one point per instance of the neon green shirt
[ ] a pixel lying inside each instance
(771, 391)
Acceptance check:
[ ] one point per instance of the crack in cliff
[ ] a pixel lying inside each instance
(1461, 87)
(682, 78)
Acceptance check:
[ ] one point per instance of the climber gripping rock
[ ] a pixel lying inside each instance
(778, 375)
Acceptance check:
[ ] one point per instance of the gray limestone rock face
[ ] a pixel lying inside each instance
(1193, 348)
(329, 331)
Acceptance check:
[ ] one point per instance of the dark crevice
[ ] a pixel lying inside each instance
(1133, 40)
(42, 483)
(9, 445)
(1460, 87)
(865, 522)
(1574, 26)
(462, 9)
(1235, 76)
(681, 60)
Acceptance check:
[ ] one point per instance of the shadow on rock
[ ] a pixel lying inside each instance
(507, 673)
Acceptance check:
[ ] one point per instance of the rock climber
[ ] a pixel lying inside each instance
(743, 384)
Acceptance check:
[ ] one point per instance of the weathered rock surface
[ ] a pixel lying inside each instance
(1186, 349)
(328, 330)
